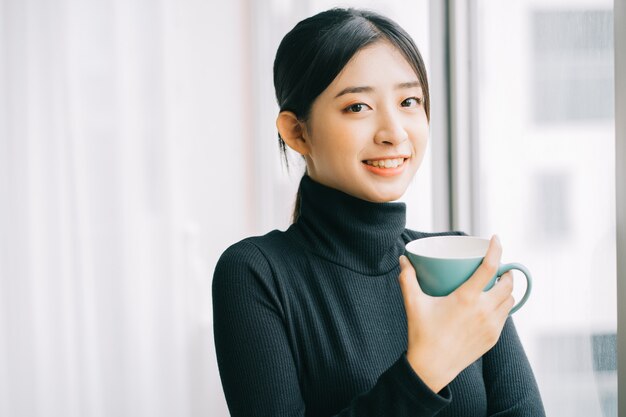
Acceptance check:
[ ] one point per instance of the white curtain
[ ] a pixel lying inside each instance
(122, 135)
(137, 142)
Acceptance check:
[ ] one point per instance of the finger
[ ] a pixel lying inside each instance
(501, 290)
(505, 307)
(506, 277)
(408, 282)
(487, 269)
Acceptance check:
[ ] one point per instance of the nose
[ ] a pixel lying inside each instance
(390, 129)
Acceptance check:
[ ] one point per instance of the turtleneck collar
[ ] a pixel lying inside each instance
(346, 230)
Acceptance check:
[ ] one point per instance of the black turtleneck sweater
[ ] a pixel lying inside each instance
(311, 322)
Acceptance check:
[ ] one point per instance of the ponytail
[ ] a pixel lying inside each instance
(296, 207)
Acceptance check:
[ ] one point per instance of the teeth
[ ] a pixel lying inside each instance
(386, 163)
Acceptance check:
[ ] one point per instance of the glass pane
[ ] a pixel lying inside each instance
(544, 100)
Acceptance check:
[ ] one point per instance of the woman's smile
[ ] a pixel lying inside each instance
(387, 167)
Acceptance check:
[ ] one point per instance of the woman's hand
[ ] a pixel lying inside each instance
(447, 334)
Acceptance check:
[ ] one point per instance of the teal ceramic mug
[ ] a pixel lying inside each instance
(443, 263)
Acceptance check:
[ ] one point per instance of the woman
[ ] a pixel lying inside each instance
(327, 318)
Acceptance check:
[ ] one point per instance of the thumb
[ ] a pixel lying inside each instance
(411, 290)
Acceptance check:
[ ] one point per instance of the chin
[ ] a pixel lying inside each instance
(385, 196)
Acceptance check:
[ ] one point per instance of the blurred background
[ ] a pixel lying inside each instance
(137, 142)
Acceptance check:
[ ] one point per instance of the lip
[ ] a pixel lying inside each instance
(387, 157)
(386, 172)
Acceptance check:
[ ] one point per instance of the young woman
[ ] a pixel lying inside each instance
(327, 318)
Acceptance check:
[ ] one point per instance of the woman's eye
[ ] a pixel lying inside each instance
(412, 101)
(356, 108)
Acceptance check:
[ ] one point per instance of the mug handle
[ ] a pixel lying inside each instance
(507, 267)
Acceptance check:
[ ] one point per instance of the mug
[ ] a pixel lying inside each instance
(443, 263)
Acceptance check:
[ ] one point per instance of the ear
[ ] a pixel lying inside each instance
(293, 132)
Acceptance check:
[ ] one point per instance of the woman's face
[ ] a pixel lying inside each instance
(368, 131)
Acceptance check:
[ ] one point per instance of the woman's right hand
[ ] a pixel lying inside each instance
(447, 334)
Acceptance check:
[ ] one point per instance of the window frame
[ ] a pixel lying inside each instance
(619, 27)
(453, 122)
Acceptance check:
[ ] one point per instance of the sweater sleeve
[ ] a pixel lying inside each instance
(257, 367)
(509, 380)
(399, 391)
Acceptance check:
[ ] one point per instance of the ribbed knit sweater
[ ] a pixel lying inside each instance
(311, 322)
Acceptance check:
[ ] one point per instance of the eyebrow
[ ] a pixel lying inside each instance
(368, 89)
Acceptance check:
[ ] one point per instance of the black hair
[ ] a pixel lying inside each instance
(315, 51)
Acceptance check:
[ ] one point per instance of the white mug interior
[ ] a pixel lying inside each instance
(449, 247)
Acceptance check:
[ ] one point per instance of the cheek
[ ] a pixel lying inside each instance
(341, 140)
(420, 133)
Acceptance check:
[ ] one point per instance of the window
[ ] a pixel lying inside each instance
(551, 206)
(545, 151)
(572, 65)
